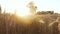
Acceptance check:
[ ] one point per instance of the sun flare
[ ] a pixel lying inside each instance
(22, 13)
(9, 6)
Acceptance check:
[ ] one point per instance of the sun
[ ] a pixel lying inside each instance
(22, 12)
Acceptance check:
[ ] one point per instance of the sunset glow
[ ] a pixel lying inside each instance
(15, 5)
(21, 6)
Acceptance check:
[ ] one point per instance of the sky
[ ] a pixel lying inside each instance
(21, 5)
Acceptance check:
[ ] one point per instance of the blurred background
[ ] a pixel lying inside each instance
(29, 17)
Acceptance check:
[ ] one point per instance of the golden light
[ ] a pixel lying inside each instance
(11, 5)
(22, 14)
(19, 5)
(41, 21)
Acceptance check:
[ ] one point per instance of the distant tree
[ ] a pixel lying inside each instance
(32, 7)
(50, 12)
